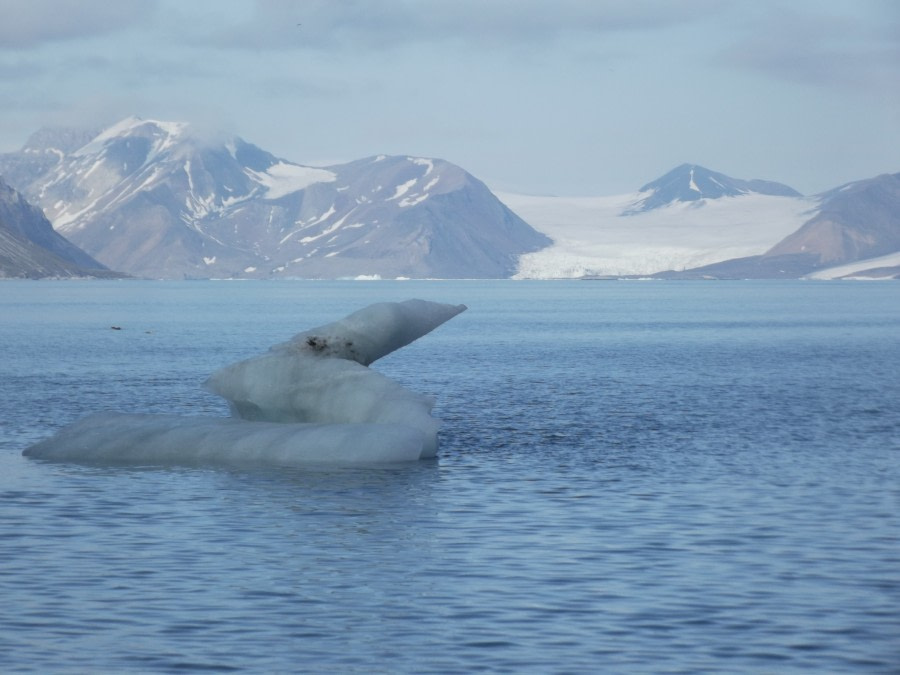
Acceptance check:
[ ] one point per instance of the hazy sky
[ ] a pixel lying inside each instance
(571, 97)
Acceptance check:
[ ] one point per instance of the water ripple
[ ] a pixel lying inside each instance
(630, 480)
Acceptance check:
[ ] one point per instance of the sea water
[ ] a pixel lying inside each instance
(633, 477)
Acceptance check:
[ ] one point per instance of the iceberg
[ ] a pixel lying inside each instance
(322, 375)
(310, 400)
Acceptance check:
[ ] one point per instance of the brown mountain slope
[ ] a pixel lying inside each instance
(856, 221)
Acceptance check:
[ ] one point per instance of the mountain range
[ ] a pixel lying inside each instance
(154, 199)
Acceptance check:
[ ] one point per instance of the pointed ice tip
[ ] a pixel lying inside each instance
(374, 331)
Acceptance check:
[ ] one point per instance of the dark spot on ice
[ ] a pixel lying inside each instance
(116, 327)
(322, 345)
(317, 344)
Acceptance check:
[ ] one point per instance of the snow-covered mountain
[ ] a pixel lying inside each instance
(153, 199)
(693, 183)
(30, 248)
(696, 223)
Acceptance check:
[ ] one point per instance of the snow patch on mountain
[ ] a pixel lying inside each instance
(413, 200)
(693, 185)
(402, 189)
(165, 135)
(855, 269)
(421, 161)
(282, 179)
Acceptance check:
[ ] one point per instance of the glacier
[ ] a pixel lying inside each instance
(591, 236)
(310, 400)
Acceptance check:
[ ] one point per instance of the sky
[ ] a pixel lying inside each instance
(544, 97)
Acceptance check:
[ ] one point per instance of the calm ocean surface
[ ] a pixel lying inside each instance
(633, 477)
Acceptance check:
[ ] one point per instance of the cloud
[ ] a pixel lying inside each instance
(822, 48)
(20, 71)
(29, 23)
(317, 24)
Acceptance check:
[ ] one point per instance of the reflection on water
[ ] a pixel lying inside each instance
(633, 477)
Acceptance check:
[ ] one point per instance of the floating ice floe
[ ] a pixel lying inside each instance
(310, 400)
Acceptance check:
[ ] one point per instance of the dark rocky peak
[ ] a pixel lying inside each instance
(692, 183)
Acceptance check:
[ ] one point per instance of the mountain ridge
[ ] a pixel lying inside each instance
(695, 183)
(31, 248)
